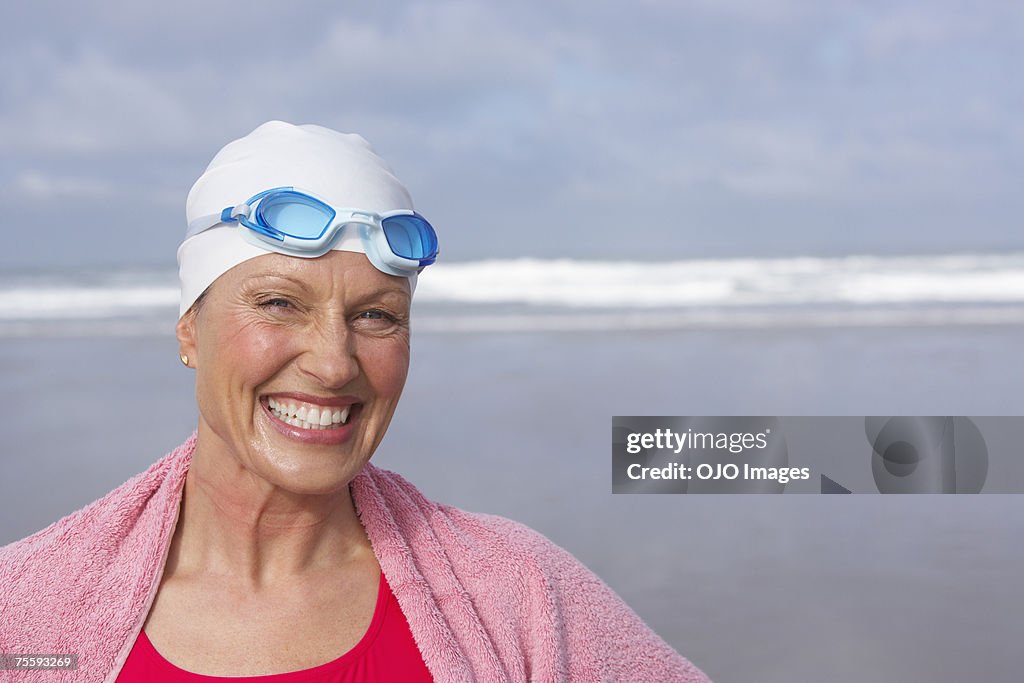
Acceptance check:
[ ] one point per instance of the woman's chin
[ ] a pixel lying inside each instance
(301, 468)
(306, 478)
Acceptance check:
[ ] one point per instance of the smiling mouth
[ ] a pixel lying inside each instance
(307, 416)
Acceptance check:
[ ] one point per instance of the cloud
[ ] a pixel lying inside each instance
(538, 108)
(89, 104)
(41, 186)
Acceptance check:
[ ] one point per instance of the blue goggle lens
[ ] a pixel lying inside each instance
(410, 237)
(294, 214)
(286, 212)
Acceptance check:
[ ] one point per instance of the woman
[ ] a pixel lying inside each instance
(267, 546)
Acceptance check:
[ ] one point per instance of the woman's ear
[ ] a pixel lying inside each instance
(185, 331)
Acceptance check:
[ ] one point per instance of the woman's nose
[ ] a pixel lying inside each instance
(330, 354)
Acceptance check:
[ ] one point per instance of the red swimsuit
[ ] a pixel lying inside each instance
(386, 652)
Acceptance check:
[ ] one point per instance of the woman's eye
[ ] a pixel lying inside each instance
(381, 319)
(276, 303)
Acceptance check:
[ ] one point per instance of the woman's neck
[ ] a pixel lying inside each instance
(234, 523)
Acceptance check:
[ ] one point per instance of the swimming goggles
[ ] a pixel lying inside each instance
(298, 223)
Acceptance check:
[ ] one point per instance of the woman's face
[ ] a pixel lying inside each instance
(299, 366)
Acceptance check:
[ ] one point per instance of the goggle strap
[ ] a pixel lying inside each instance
(228, 215)
(198, 225)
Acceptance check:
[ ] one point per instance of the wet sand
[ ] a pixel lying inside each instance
(762, 588)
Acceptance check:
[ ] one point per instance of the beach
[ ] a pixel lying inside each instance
(751, 588)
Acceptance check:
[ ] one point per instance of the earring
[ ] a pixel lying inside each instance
(184, 359)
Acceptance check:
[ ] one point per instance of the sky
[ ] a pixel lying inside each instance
(649, 129)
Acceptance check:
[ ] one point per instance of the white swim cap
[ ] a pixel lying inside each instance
(340, 167)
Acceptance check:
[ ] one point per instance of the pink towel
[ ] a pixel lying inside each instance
(487, 599)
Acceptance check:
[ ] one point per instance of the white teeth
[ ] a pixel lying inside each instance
(306, 416)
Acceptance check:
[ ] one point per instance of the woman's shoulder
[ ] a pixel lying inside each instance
(517, 582)
(513, 545)
(494, 542)
(104, 551)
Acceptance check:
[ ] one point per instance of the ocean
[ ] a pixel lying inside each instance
(518, 367)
